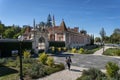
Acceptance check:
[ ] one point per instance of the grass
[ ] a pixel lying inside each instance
(4, 70)
(7, 73)
(111, 52)
(91, 51)
(14, 76)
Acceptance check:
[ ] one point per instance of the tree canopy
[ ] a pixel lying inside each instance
(102, 34)
(10, 31)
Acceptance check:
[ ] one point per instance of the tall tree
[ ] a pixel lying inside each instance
(115, 37)
(92, 39)
(102, 34)
(97, 39)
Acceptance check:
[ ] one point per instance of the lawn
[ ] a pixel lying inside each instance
(112, 52)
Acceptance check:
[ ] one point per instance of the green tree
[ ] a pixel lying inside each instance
(1, 28)
(102, 34)
(9, 33)
(92, 39)
(107, 39)
(97, 39)
(115, 37)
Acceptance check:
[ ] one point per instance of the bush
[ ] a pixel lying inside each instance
(12, 63)
(81, 50)
(112, 69)
(43, 58)
(74, 50)
(25, 68)
(117, 53)
(59, 49)
(56, 68)
(53, 49)
(29, 60)
(92, 74)
(50, 61)
(64, 49)
(88, 52)
(112, 52)
(26, 54)
(3, 61)
(36, 71)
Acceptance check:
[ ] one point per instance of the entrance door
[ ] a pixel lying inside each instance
(41, 44)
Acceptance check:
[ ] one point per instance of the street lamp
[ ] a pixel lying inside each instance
(103, 47)
(20, 57)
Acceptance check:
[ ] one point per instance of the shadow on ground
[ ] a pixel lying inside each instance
(61, 54)
(75, 70)
(4, 70)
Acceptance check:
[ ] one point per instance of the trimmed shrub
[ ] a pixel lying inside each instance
(64, 49)
(112, 69)
(43, 58)
(74, 50)
(81, 50)
(50, 61)
(59, 49)
(53, 49)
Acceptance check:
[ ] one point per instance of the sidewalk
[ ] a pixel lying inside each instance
(66, 74)
(99, 52)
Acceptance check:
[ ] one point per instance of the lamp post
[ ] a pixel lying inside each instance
(103, 47)
(20, 57)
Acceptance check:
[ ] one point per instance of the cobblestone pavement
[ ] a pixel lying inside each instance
(80, 62)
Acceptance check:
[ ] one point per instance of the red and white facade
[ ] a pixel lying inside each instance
(71, 37)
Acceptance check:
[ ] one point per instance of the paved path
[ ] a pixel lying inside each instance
(66, 74)
(79, 63)
(100, 52)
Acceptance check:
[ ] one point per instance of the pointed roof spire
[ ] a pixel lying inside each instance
(63, 26)
(53, 21)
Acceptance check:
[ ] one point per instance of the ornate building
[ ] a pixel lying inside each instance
(41, 35)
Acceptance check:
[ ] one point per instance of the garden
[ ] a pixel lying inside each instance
(33, 68)
(112, 73)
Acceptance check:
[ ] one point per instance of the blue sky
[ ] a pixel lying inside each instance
(90, 15)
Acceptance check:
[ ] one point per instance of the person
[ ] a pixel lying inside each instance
(68, 62)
